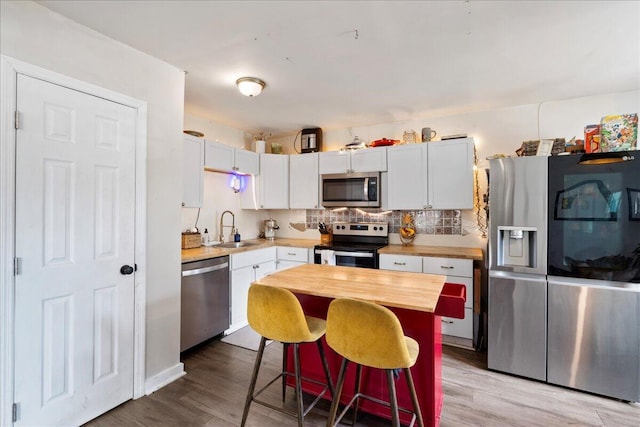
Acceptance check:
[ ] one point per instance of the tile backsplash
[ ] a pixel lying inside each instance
(447, 221)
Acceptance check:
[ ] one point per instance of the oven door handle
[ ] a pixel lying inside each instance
(351, 254)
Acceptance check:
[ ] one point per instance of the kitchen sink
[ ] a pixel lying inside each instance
(236, 245)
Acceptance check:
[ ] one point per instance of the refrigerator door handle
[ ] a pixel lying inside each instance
(522, 276)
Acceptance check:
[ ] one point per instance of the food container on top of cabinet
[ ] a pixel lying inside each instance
(592, 138)
(619, 133)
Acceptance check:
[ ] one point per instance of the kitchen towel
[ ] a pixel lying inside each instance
(328, 257)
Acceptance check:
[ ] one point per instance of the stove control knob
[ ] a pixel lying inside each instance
(375, 228)
(381, 229)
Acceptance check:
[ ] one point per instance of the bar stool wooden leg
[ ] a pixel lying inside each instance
(285, 355)
(414, 396)
(325, 366)
(336, 397)
(356, 392)
(299, 402)
(254, 378)
(393, 399)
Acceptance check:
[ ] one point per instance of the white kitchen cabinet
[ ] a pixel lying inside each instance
(192, 171)
(450, 167)
(400, 263)
(274, 181)
(246, 268)
(270, 189)
(457, 270)
(288, 256)
(407, 177)
(458, 328)
(247, 162)
(224, 158)
(434, 175)
(303, 181)
(448, 266)
(350, 161)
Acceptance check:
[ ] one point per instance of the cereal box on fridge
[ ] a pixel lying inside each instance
(592, 138)
(619, 133)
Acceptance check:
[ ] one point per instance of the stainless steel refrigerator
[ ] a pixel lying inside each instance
(593, 301)
(517, 308)
(564, 271)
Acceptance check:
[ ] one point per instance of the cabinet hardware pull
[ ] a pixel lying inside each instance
(291, 253)
(399, 263)
(447, 267)
(447, 321)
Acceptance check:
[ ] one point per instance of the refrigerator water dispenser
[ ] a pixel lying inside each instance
(517, 246)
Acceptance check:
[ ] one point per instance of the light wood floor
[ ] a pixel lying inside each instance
(213, 391)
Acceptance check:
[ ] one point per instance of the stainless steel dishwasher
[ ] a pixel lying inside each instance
(205, 300)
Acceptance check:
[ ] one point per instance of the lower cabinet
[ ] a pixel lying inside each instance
(457, 271)
(411, 264)
(288, 256)
(247, 267)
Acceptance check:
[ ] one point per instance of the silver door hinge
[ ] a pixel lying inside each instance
(17, 119)
(14, 413)
(17, 266)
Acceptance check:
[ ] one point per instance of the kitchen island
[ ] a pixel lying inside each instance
(417, 300)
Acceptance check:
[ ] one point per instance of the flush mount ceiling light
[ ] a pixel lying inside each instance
(250, 86)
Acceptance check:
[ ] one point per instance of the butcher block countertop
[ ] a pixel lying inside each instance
(413, 291)
(434, 251)
(206, 252)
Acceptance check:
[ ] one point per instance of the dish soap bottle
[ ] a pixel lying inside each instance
(205, 237)
(236, 236)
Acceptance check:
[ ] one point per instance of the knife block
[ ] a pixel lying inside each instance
(326, 238)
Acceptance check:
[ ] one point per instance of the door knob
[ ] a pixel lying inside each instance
(126, 269)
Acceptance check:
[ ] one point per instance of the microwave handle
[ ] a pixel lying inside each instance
(366, 189)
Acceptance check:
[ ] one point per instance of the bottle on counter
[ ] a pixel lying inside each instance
(236, 236)
(205, 237)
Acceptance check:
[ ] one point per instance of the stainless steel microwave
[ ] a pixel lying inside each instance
(351, 190)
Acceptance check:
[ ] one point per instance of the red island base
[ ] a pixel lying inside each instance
(427, 372)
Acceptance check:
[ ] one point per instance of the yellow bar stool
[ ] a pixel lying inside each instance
(370, 335)
(276, 314)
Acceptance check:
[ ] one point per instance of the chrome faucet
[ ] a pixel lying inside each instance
(233, 225)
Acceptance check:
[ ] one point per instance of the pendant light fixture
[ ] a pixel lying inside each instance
(250, 86)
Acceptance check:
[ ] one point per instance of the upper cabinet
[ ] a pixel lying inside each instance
(350, 161)
(303, 181)
(192, 171)
(270, 189)
(247, 162)
(224, 158)
(434, 175)
(274, 181)
(450, 168)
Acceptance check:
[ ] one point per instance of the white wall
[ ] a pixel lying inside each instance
(494, 131)
(217, 196)
(33, 34)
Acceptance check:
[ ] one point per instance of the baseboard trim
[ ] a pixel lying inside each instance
(457, 342)
(163, 378)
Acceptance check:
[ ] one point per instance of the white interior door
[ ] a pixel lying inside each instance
(75, 171)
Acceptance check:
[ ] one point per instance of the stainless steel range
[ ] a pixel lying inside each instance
(354, 244)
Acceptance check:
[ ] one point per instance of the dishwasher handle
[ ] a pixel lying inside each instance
(204, 269)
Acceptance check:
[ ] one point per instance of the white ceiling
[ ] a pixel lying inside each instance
(408, 60)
